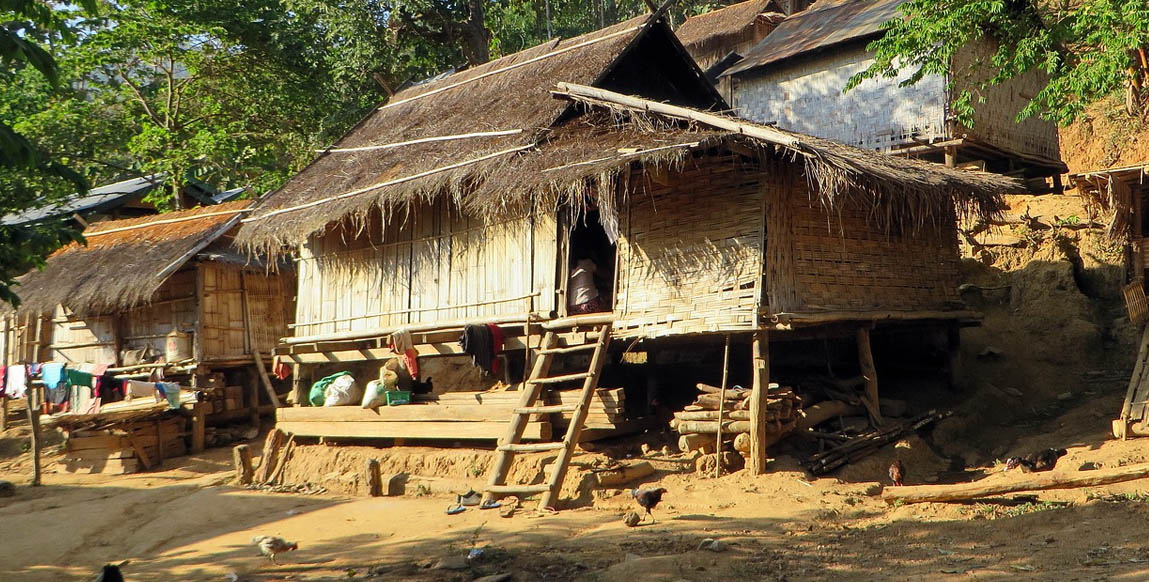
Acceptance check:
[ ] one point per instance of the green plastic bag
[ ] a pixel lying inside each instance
(319, 389)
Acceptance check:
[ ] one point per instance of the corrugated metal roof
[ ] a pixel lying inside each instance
(102, 198)
(826, 23)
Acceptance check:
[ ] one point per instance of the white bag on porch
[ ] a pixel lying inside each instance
(343, 391)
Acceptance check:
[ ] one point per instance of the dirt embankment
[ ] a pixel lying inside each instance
(1104, 137)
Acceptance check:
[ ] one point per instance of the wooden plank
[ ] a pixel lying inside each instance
(142, 454)
(413, 430)
(106, 467)
(372, 354)
(870, 373)
(267, 387)
(405, 413)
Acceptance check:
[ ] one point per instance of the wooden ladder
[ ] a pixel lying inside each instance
(533, 389)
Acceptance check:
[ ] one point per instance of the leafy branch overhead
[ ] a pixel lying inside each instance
(1085, 50)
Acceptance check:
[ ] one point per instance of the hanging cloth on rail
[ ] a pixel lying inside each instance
(52, 374)
(496, 346)
(402, 345)
(476, 342)
(17, 381)
(279, 368)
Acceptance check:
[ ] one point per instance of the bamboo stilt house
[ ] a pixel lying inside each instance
(718, 39)
(167, 293)
(469, 200)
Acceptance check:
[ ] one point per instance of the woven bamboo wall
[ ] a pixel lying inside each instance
(172, 307)
(236, 299)
(434, 264)
(90, 340)
(845, 262)
(27, 339)
(690, 255)
(994, 120)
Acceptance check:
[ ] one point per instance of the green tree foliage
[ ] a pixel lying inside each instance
(1087, 50)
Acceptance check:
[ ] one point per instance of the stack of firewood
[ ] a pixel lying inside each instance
(697, 424)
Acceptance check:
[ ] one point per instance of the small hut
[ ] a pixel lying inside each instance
(794, 78)
(473, 200)
(718, 39)
(158, 297)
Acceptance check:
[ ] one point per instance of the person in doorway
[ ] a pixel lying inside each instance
(582, 294)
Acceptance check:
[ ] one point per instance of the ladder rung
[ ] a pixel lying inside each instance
(517, 488)
(530, 447)
(546, 409)
(557, 379)
(569, 349)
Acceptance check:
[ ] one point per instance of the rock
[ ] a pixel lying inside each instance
(645, 449)
(1090, 466)
(712, 545)
(632, 557)
(494, 578)
(1065, 396)
(631, 518)
(989, 352)
(7, 489)
(1013, 392)
(451, 563)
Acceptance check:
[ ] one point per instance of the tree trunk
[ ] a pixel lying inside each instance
(1000, 484)
(473, 35)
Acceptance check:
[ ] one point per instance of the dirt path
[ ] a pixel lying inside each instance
(186, 524)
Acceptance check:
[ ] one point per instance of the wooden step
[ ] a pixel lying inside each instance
(547, 409)
(511, 489)
(530, 448)
(569, 349)
(558, 379)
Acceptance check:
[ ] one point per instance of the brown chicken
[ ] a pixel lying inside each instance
(897, 472)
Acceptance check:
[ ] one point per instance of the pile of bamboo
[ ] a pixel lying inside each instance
(869, 442)
(698, 423)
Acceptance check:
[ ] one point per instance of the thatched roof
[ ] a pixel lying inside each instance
(726, 26)
(546, 151)
(124, 261)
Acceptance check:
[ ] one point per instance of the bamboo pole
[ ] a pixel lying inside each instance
(870, 373)
(34, 400)
(421, 140)
(1005, 483)
(721, 405)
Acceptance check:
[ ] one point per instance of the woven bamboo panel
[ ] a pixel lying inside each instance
(846, 262)
(434, 264)
(690, 253)
(236, 299)
(995, 117)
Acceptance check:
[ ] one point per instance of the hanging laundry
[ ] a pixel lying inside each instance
(58, 394)
(171, 391)
(52, 374)
(401, 345)
(17, 381)
(34, 369)
(478, 342)
(78, 378)
(279, 368)
(496, 346)
(3, 380)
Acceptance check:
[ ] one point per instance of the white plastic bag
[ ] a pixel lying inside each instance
(376, 393)
(342, 392)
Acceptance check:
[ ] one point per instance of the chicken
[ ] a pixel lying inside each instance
(270, 546)
(897, 472)
(648, 499)
(1039, 461)
(111, 573)
(1044, 460)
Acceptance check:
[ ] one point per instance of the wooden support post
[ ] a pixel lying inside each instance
(374, 478)
(266, 380)
(3, 412)
(951, 156)
(199, 429)
(271, 448)
(241, 457)
(760, 356)
(953, 353)
(34, 421)
(253, 396)
(159, 445)
(870, 373)
(721, 405)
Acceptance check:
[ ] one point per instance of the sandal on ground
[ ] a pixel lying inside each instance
(456, 509)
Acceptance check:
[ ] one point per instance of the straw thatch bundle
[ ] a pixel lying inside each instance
(124, 261)
(571, 149)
